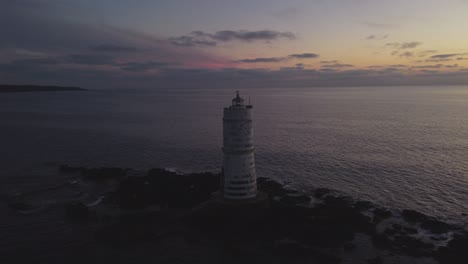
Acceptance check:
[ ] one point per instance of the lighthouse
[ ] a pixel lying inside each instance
(239, 178)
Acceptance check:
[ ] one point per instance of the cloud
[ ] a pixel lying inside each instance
(436, 66)
(203, 39)
(143, 66)
(444, 56)
(81, 59)
(410, 45)
(429, 71)
(304, 56)
(192, 41)
(406, 54)
(296, 67)
(90, 59)
(53, 38)
(424, 53)
(404, 45)
(335, 64)
(376, 37)
(227, 78)
(113, 48)
(263, 60)
(280, 59)
(228, 35)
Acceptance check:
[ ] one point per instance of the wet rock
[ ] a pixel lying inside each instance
(412, 246)
(376, 260)
(399, 229)
(77, 211)
(295, 199)
(322, 192)
(339, 201)
(391, 231)
(381, 214)
(97, 174)
(456, 250)
(436, 238)
(363, 205)
(412, 216)
(301, 232)
(294, 250)
(167, 189)
(381, 241)
(21, 206)
(436, 227)
(71, 169)
(349, 246)
(272, 187)
(124, 233)
(410, 230)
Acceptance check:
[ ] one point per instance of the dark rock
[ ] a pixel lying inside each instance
(124, 233)
(349, 246)
(391, 232)
(322, 192)
(381, 241)
(381, 214)
(412, 246)
(399, 229)
(303, 232)
(410, 230)
(272, 188)
(456, 250)
(71, 169)
(363, 205)
(436, 227)
(21, 206)
(413, 216)
(167, 189)
(290, 249)
(376, 260)
(295, 199)
(97, 174)
(436, 238)
(338, 201)
(294, 250)
(77, 211)
(401, 242)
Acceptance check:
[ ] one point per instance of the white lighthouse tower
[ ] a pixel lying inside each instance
(239, 179)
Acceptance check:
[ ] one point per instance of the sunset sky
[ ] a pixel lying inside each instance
(125, 44)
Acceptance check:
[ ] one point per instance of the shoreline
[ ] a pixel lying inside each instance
(6, 88)
(327, 227)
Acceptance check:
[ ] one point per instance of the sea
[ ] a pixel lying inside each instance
(399, 147)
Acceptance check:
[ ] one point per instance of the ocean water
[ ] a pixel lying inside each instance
(400, 147)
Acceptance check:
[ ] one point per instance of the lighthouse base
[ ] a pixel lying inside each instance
(260, 201)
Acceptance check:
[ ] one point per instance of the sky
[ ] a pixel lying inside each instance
(119, 44)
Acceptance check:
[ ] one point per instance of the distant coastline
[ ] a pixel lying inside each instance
(7, 88)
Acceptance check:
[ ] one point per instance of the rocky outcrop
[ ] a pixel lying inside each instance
(293, 227)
